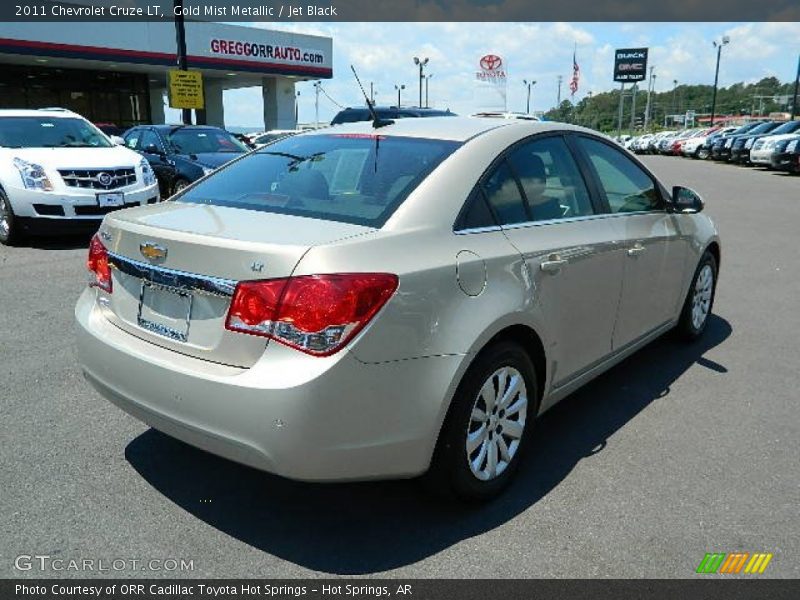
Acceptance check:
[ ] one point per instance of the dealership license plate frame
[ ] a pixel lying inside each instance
(110, 199)
(171, 327)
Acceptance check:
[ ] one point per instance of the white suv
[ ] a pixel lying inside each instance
(59, 172)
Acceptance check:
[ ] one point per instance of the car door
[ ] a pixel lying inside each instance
(541, 199)
(655, 251)
(152, 148)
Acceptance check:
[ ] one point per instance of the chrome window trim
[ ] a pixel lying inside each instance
(541, 223)
(189, 282)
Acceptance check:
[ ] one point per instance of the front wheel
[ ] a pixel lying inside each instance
(488, 425)
(179, 185)
(9, 230)
(700, 299)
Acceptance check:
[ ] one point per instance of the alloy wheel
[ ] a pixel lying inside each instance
(701, 299)
(497, 423)
(5, 217)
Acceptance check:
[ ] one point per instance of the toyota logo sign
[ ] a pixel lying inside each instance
(491, 62)
(104, 179)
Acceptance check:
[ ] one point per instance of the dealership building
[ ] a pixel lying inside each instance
(117, 72)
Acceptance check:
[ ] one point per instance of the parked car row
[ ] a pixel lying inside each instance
(770, 144)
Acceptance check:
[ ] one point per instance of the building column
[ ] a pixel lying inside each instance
(279, 98)
(214, 112)
(157, 94)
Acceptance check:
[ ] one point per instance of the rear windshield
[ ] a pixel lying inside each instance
(198, 141)
(50, 132)
(359, 179)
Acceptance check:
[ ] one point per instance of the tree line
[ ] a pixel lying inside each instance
(600, 111)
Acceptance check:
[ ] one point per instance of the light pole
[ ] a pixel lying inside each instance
(421, 62)
(180, 42)
(558, 101)
(796, 86)
(650, 87)
(725, 41)
(674, 101)
(399, 88)
(529, 85)
(427, 79)
(317, 85)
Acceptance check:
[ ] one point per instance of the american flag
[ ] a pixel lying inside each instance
(576, 75)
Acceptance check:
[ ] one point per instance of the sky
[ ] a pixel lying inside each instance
(383, 53)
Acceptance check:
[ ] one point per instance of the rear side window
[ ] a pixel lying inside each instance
(360, 179)
(628, 188)
(504, 196)
(553, 186)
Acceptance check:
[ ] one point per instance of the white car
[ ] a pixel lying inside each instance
(59, 172)
(763, 148)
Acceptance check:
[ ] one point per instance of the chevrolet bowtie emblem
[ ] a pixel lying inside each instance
(152, 251)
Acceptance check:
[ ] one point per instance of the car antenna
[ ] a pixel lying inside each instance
(376, 122)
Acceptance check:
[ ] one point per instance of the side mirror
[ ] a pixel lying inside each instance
(152, 149)
(686, 201)
(117, 141)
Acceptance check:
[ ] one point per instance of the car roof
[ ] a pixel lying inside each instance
(179, 126)
(458, 129)
(41, 112)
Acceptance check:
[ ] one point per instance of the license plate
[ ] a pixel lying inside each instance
(111, 199)
(165, 311)
(792, 146)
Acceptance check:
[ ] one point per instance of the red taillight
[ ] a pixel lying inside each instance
(97, 263)
(317, 314)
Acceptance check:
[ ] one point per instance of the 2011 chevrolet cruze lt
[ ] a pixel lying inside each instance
(378, 302)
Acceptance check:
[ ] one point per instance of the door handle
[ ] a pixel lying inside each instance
(636, 250)
(553, 264)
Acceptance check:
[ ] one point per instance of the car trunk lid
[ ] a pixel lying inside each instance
(175, 267)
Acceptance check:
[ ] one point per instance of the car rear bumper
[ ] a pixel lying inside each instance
(301, 417)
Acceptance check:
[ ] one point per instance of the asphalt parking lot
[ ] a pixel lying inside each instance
(678, 451)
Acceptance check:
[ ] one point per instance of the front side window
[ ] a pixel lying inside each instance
(150, 141)
(48, 132)
(132, 138)
(360, 179)
(628, 188)
(553, 186)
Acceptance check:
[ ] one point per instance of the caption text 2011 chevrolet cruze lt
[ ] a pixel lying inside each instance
(380, 302)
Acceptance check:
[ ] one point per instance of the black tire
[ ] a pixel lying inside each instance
(688, 326)
(450, 471)
(9, 229)
(179, 184)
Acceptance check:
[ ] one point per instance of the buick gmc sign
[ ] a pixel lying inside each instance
(630, 64)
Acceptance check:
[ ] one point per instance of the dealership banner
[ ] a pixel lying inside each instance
(630, 64)
(491, 79)
(409, 589)
(402, 10)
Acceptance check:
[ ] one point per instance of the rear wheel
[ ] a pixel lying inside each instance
(488, 425)
(700, 299)
(9, 230)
